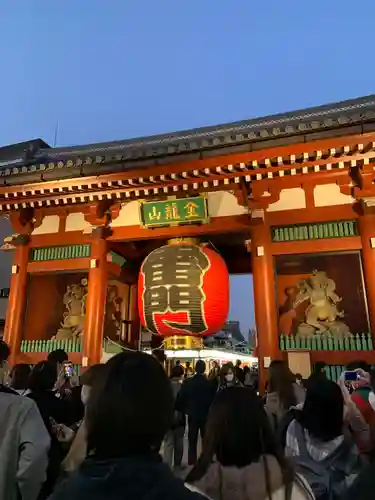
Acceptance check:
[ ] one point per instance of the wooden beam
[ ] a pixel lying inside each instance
(240, 265)
(128, 251)
(342, 357)
(350, 243)
(315, 215)
(57, 239)
(237, 223)
(217, 225)
(67, 265)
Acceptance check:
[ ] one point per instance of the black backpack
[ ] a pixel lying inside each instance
(319, 474)
(283, 424)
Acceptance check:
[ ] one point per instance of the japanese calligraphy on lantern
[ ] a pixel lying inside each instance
(173, 280)
(171, 212)
(183, 290)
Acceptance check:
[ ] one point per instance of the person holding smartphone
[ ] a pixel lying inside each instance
(67, 380)
(353, 418)
(363, 395)
(68, 390)
(54, 411)
(78, 449)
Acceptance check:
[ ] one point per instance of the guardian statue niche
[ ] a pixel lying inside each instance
(75, 310)
(322, 316)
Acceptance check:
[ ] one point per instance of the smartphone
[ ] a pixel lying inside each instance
(53, 423)
(68, 369)
(351, 376)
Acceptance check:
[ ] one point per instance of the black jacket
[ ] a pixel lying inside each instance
(195, 397)
(240, 374)
(133, 478)
(52, 409)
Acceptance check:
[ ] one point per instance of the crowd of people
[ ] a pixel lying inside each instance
(100, 436)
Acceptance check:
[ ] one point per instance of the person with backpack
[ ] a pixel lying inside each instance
(319, 443)
(241, 459)
(353, 420)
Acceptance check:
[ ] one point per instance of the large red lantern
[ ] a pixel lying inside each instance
(183, 289)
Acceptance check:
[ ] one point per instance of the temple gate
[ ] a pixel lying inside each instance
(289, 198)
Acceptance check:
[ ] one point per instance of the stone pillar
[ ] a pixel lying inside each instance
(96, 300)
(367, 232)
(17, 301)
(264, 282)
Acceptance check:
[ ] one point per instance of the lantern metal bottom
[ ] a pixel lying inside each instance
(183, 342)
(183, 241)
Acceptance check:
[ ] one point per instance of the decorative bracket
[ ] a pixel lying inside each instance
(26, 220)
(257, 213)
(98, 214)
(101, 232)
(368, 201)
(101, 214)
(13, 241)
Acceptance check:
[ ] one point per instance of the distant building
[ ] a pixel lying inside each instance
(233, 327)
(229, 337)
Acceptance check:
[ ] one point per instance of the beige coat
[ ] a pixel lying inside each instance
(274, 408)
(248, 483)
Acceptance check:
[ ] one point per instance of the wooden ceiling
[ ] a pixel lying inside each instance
(232, 249)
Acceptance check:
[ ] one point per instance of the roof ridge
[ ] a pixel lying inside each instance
(229, 128)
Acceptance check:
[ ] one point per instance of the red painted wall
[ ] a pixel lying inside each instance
(45, 308)
(343, 268)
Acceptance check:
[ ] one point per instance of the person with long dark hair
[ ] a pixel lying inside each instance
(283, 392)
(20, 378)
(241, 459)
(318, 435)
(129, 411)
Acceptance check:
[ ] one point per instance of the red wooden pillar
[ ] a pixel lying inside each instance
(15, 317)
(264, 297)
(95, 302)
(134, 317)
(367, 232)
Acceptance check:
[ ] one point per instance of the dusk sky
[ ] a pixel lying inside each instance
(107, 70)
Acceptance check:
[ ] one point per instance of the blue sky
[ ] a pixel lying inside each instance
(118, 69)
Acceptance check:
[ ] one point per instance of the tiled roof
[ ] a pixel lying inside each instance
(275, 126)
(309, 124)
(18, 152)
